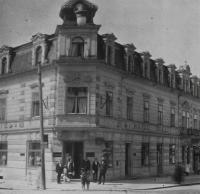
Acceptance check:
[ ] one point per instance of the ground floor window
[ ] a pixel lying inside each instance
(3, 153)
(34, 153)
(145, 154)
(172, 149)
(108, 153)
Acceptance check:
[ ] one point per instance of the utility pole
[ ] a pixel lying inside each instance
(43, 179)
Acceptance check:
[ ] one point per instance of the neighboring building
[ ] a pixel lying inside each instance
(100, 98)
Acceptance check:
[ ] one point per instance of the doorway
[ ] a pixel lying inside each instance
(196, 160)
(127, 160)
(159, 159)
(75, 151)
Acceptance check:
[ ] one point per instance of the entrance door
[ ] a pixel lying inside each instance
(127, 160)
(159, 159)
(75, 150)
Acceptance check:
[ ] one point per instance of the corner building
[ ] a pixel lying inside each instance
(100, 98)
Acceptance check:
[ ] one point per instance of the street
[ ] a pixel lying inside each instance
(194, 189)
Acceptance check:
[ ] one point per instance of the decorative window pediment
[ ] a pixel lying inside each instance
(5, 59)
(39, 42)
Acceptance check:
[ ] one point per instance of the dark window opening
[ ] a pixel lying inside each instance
(3, 65)
(78, 47)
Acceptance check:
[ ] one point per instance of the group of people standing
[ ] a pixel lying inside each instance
(97, 170)
(66, 171)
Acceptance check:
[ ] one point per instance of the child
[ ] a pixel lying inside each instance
(85, 178)
(65, 173)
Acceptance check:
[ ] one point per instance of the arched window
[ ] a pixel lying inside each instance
(3, 65)
(38, 55)
(78, 47)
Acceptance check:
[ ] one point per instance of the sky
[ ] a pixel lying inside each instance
(168, 29)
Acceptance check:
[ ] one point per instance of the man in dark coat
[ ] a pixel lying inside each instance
(95, 167)
(103, 169)
(59, 170)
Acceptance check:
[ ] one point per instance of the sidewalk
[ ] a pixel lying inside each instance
(123, 185)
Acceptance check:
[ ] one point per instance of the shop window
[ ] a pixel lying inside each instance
(108, 153)
(35, 104)
(77, 100)
(145, 154)
(172, 117)
(38, 56)
(109, 103)
(129, 108)
(3, 153)
(2, 109)
(3, 65)
(34, 153)
(78, 47)
(160, 114)
(172, 151)
(146, 111)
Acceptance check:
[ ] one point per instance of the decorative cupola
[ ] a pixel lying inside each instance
(194, 81)
(77, 37)
(159, 65)
(78, 12)
(185, 73)
(172, 75)
(5, 59)
(129, 53)
(109, 40)
(146, 56)
(39, 49)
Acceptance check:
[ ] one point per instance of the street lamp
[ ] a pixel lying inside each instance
(43, 181)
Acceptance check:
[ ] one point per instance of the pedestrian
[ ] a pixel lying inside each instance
(65, 174)
(85, 178)
(103, 169)
(70, 168)
(87, 164)
(95, 167)
(59, 170)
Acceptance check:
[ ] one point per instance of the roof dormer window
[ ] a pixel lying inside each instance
(77, 47)
(3, 65)
(38, 56)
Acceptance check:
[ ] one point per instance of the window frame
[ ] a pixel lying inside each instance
(76, 100)
(35, 103)
(172, 153)
(146, 111)
(79, 43)
(172, 117)
(129, 108)
(160, 114)
(3, 152)
(37, 153)
(109, 103)
(4, 63)
(3, 110)
(145, 154)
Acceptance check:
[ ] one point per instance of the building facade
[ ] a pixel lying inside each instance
(100, 98)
